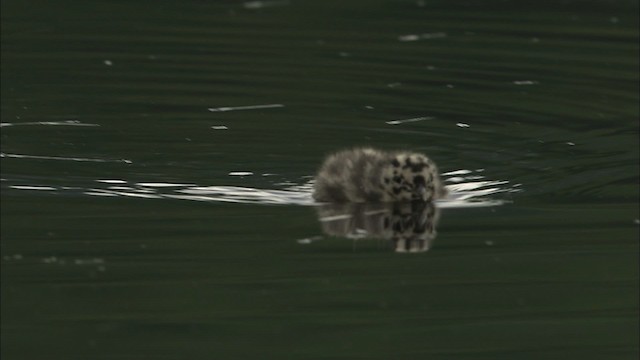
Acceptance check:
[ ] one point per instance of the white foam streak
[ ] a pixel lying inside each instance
(397, 122)
(50, 123)
(457, 172)
(246, 195)
(473, 186)
(334, 218)
(104, 192)
(29, 187)
(162, 185)
(111, 181)
(39, 157)
(248, 107)
(466, 192)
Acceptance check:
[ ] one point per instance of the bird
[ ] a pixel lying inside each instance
(366, 174)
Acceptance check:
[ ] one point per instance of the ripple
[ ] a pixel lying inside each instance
(397, 122)
(248, 107)
(62, 158)
(467, 188)
(49, 123)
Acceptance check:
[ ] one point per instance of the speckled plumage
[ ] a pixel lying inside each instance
(370, 175)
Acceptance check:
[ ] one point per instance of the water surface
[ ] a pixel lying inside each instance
(157, 161)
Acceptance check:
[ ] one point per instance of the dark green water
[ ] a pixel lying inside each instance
(174, 258)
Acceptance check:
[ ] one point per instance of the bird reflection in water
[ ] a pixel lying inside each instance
(408, 226)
